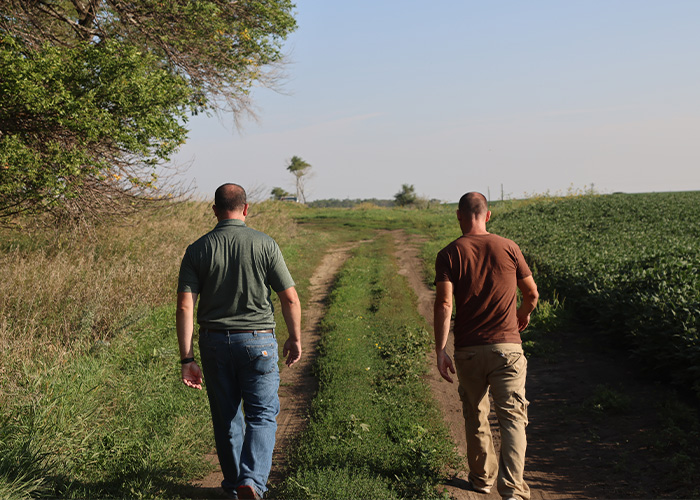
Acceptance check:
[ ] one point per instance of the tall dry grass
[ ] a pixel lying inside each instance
(65, 291)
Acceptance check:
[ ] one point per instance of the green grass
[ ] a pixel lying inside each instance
(374, 432)
(91, 400)
(92, 404)
(113, 422)
(678, 440)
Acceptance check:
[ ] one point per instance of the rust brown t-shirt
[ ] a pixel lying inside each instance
(484, 270)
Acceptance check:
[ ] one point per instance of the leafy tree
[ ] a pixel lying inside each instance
(95, 94)
(278, 193)
(72, 142)
(299, 168)
(407, 195)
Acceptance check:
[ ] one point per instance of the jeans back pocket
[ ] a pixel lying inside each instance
(263, 357)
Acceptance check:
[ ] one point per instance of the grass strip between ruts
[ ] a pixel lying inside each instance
(374, 429)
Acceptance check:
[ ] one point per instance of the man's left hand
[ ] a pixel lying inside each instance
(523, 321)
(292, 351)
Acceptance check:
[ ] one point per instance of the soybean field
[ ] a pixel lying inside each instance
(627, 266)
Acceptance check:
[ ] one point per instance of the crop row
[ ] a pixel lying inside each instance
(628, 267)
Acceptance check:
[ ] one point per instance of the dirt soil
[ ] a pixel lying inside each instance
(573, 451)
(297, 383)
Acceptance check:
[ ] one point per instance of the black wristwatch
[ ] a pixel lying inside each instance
(186, 360)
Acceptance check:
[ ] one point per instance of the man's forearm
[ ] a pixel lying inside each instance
(292, 318)
(442, 313)
(185, 331)
(291, 312)
(441, 323)
(184, 324)
(528, 288)
(527, 305)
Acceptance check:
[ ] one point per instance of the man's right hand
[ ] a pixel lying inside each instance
(444, 363)
(292, 351)
(530, 295)
(192, 375)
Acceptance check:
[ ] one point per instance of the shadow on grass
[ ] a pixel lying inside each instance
(144, 482)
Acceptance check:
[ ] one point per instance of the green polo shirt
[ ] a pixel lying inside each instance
(233, 268)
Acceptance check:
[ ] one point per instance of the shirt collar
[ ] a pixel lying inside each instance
(230, 222)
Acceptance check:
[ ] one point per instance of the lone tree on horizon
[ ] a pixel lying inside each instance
(299, 168)
(407, 195)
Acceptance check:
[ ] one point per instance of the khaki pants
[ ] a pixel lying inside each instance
(502, 367)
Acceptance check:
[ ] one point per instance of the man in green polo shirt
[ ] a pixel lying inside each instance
(232, 270)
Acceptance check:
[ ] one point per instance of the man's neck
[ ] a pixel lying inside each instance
(239, 217)
(475, 232)
(473, 225)
(474, 229)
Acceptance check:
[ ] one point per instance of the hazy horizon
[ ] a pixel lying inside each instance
(461, 96)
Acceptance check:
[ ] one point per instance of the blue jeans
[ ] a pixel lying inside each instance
(242, 367)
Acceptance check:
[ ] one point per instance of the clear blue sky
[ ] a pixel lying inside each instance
(459, 95)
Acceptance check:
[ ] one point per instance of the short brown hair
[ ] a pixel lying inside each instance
(230, 197)
(473, 203)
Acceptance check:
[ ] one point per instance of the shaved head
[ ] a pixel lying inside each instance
(230, 198)
(473, 204)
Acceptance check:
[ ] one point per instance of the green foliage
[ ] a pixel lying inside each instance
(94, 95)
(278, 193)
(364, 217)
(607, 400)
(299, 169)
(221, 47)
(678, 440)
(627, 265)
(338, 483)
(373, 427)
(70, 114)
(407, 196)
(24, 463)
(539, 339)
(297, 166)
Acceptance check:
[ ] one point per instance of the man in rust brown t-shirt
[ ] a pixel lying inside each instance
(484, 271)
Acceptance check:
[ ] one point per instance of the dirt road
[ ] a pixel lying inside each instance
(297, 384)
(572, 451)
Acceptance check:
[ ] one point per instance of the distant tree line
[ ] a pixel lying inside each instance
(406, 197)
(348, 203)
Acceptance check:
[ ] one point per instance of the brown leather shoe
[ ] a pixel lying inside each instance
(247, 492)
